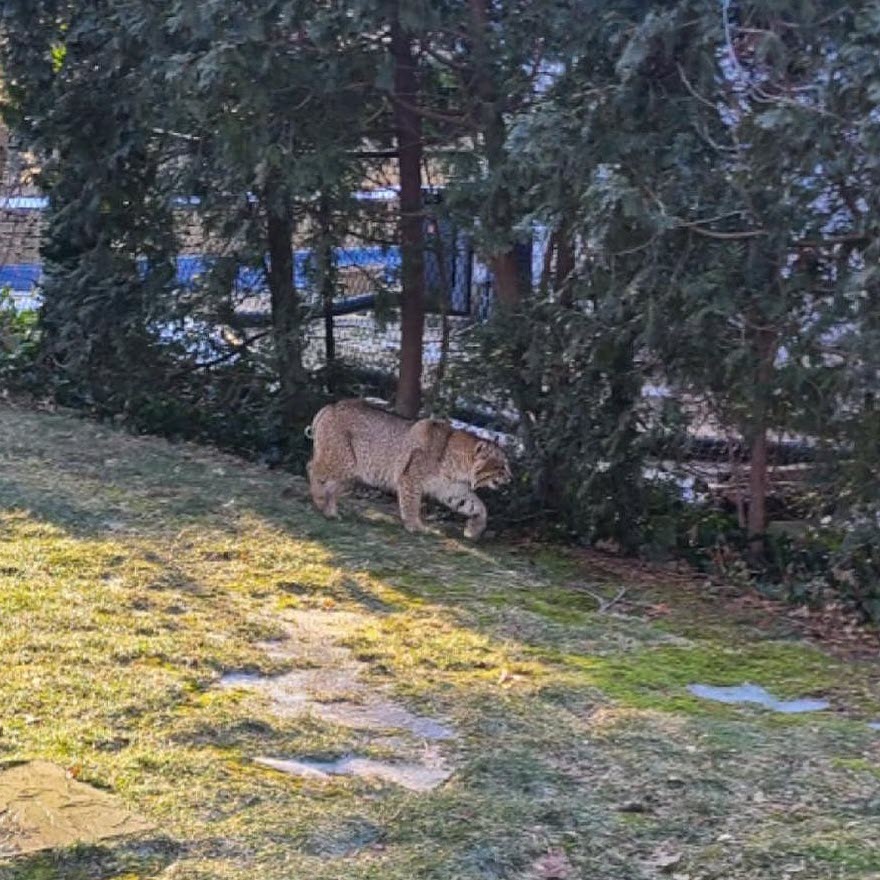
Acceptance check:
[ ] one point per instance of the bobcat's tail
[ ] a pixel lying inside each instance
(310, 429)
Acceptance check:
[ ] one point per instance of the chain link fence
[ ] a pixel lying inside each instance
(21, 224)
(363, 322)
(359, 330)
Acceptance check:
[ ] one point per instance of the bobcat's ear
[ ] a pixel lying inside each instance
(481, 447)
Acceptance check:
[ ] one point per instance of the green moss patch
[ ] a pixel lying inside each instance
(134, 573)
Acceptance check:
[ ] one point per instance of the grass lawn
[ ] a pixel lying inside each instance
(134, 573)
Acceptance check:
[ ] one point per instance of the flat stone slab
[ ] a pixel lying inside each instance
(335, 695)
(415, 777)
(43, 808)
(753, 693)
(330, 683)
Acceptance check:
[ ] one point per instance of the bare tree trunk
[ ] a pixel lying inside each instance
(445, 297)
(327, 279)
(757, 520)
(546, 282)
(408, 126)
(565, 263)
(285, 317)
(765, 351)
(734, 454)
(504, 265)
(505, 271)
(4, 151)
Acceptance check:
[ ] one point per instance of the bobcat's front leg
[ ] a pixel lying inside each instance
(466, 502)
(477, 517)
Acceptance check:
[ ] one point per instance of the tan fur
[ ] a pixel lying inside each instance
(354, 441)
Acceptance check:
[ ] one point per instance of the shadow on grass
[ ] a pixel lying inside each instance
(148, 489)
(546, 758)
(134, 858)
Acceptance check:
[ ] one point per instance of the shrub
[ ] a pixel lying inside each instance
(19, 341)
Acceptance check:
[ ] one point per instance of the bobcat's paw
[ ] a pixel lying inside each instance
(474, 528)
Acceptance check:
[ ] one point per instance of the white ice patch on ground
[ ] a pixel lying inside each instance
(415, 777)
(330, 684)
(753, 693)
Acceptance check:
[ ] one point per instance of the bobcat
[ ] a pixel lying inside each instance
(354, 440)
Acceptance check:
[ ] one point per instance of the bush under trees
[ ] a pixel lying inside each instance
(707, 174)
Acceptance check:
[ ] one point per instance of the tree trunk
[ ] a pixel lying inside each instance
(444, 300)
(565, 262)
(546, 284)
(506, 274)
(757, 520)
(285, 317)
(4, 150)
(408, 130)
(498, 212)
(765, 352)
(327, 284)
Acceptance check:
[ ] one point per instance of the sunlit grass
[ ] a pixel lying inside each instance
(134, 573)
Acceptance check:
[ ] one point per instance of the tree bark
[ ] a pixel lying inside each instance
(757, 519)
(285, 316)
(490, 118)
(4, 149)
(565, 262)
(508, 281)
(765, 352)
(327, 284)
(408, 129)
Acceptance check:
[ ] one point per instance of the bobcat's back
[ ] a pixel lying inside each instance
(356, 441)
(353, 439)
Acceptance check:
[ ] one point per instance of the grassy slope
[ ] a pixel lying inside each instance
(133, 572)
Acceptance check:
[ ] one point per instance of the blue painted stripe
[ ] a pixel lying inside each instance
(20, 277)
(40, 203)
(24, 203)
(25, 276)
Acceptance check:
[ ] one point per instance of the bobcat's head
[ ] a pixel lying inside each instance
(490, 468)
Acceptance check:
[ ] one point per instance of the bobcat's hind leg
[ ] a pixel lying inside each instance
(410, 485)
(325, 489)
(316, 487)
(332, 490)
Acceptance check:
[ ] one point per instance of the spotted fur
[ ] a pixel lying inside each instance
(357, 442)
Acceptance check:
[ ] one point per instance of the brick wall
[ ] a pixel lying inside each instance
(20, 236)
(21, 229)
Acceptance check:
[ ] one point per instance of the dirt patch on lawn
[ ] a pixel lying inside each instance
(42, 807)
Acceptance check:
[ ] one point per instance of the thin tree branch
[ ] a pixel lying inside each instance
(446, 62)
(689, 86)
(830, 240)
(726, 236)
(436, 115)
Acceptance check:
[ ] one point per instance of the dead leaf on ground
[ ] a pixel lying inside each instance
(553, 865)
(664, 859)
